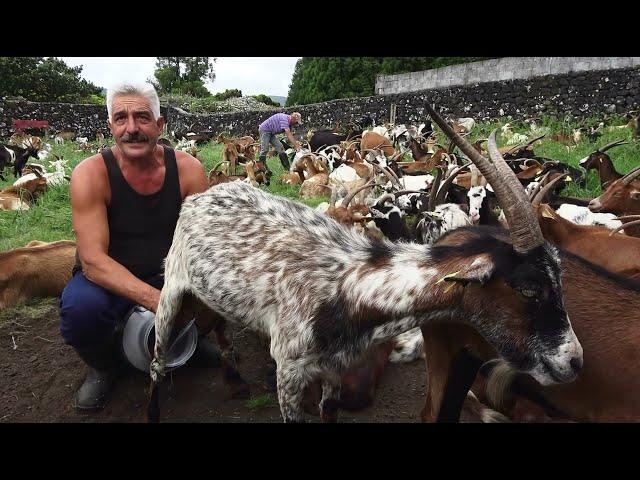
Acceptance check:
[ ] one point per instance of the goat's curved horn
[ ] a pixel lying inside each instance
(215, 167)
(625, 225)
(526, 144)
(611, 145)
(629, 177)
(446, 185)
(390, 174)
(349, 196)
(375, 151)
(351, 143)
(396, 155)
(322, 158)
(537, 188)
(524, 228)
(546, 189)
(434, 190)
(628, 217)
(400, 193)
(474, 176)
(385, 197)
(533, 140)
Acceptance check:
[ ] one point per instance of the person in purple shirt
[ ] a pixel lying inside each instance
(278, 123)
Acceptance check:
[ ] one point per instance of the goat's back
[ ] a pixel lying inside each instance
(37, 270)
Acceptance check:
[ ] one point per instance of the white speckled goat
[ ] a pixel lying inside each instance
(325, 294)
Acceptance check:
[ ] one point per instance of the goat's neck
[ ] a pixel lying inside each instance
(608, 331)
(557, 230)
(405, 289)
(607, 171)
(311, 169)
(416, 151)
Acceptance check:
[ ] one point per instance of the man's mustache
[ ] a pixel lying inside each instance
(134, 137)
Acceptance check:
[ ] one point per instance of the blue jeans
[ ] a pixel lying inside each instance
(90, 314)
(267, 138)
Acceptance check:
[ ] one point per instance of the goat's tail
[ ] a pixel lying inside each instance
(499, 379)
(175, 286)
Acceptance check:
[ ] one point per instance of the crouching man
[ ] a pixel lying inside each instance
(125, 203)
(278, 123)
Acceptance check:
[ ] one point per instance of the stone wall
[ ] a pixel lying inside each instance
(506, 68)
(576, 94)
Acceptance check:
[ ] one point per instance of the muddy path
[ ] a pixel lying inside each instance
(39, 375)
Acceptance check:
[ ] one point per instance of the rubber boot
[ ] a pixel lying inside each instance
(102, 366)
(263, 160)
(284, 160)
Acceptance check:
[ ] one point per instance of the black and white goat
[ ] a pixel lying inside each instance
(325, 303)
(16, 157)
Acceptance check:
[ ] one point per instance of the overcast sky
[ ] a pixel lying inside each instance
(252, 75)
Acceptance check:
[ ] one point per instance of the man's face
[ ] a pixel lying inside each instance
(133, 125)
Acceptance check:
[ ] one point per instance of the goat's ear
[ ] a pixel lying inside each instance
(479, 270)
(546, 211)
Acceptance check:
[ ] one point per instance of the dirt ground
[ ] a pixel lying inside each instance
(39, 375)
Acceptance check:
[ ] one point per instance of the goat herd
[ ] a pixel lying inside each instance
(520, 299)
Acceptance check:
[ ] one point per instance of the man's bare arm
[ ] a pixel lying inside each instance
(89, 214)
(292, 139)
(193, 178)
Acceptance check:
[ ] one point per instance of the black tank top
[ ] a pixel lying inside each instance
(141, 226)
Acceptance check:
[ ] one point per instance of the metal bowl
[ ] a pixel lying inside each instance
(138, 341)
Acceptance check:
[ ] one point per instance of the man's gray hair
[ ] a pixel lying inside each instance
(143, 89)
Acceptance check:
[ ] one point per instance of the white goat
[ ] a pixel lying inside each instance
(584, 216)
(476, 198)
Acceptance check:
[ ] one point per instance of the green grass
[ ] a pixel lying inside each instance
(50, 218)
(262, 401)
(32, 309)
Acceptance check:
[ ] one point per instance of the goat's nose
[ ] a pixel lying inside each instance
(594, 205)
(576, 363)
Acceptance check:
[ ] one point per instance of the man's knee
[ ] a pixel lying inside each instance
(86, 313)
(264, 143)
(277, 145)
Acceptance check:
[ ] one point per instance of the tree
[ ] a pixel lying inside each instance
(266, 100)
(318, 79)
(228, 93)
(183, 75)
(45, 80)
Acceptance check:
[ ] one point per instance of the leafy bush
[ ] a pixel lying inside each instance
(266, 99)
(228, 93)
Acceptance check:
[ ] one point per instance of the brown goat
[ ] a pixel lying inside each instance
(621, 198)
(602, 308)
(38, 270)
(602, 163)
(216, 177)
(617, 253)
(424, 166)
(316, 183)
(372, 140)
(20, 197)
